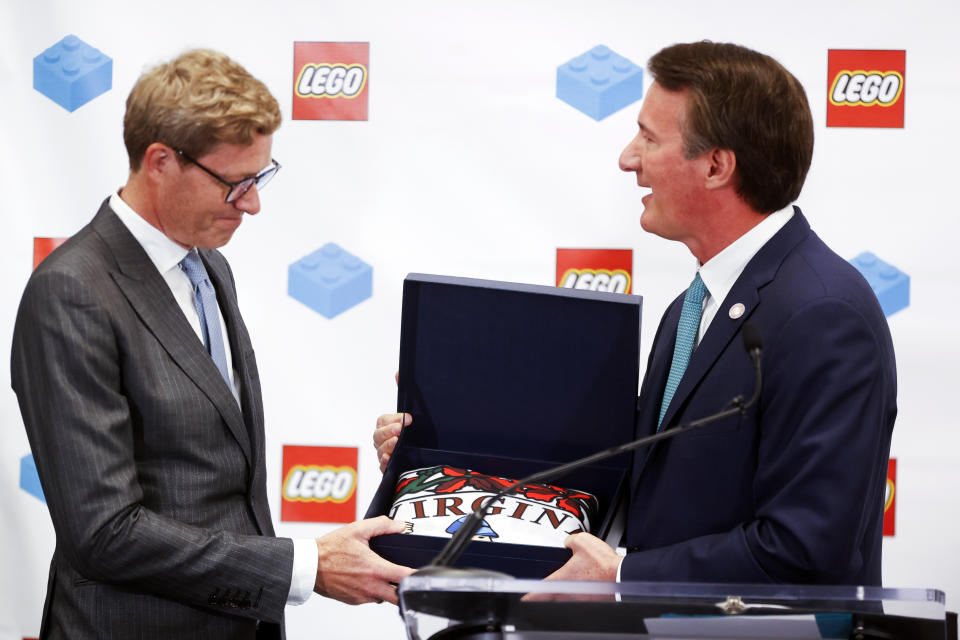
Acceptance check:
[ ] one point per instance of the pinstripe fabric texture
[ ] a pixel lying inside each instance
(153, 474)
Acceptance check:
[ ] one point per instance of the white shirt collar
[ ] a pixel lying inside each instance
(721, 272)
(163, 252)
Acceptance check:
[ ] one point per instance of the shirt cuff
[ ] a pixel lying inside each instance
(616, 594)
(305, 559)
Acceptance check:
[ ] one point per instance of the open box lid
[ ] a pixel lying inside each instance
(517, 370)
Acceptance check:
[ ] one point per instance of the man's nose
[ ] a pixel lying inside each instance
(249, 202)
(630, 157)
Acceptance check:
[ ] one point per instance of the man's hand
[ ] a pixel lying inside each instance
(593, 559)
(386, 434)
(350, 572)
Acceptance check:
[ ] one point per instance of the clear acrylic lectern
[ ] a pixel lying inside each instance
(488, 608)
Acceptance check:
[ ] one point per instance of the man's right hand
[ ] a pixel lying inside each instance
(592, 559)
(386, 433)
(350, 572)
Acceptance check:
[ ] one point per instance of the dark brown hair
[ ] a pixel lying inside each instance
(746, 102)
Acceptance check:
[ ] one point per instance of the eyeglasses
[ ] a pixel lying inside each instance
(238, 189)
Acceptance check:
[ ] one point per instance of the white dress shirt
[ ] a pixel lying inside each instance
(721, 271)
(166, 256)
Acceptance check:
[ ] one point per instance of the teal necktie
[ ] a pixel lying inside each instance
(205, 300)
(686, 338)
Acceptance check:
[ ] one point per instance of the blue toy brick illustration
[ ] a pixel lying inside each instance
(599, 82)
(72, 73)
(330, 280)
(29, 480)
(891, 285)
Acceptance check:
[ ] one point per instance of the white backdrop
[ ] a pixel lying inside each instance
(468, 165)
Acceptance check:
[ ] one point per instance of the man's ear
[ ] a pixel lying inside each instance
(721, 168)
(158, 160)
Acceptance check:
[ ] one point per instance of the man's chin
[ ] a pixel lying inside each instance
(648, 221)
(215, 242)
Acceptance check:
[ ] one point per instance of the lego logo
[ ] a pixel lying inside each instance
(891, 490)
(866, 88)
(319, 484)
(616, 281)
(331, 80)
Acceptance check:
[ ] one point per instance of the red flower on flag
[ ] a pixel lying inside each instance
(464, 478)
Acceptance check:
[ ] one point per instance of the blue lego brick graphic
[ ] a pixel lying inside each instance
(599, 82)
(72, 73)
(29, 480)
(891, 285)
(330, 280)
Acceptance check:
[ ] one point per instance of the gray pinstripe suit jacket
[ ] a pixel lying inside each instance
(154, 478)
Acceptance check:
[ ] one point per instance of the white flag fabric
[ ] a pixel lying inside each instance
(435, 501)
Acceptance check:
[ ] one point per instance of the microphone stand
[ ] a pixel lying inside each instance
(443, 563)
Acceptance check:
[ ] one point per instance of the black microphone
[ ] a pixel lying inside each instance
(443, 563)
(751, 339)
(754, 346)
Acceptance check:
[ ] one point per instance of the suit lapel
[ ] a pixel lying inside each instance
(150, 297)
(654, 383)
(246, 368)
(746, 290)
(659, 368)
(240, 346)
(723, 329)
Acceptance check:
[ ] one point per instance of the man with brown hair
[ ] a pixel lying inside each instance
(793, 490)
(140, 394)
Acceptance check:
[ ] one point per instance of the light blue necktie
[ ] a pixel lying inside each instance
(205, 299)
(686, 338)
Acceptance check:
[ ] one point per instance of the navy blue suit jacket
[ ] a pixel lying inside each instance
(793, 491)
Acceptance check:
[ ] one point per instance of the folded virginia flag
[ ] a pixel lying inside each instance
(434, 501)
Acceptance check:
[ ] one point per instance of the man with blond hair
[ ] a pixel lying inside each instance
(139, 390)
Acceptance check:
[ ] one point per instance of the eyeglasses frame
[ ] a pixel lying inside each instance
(261, 179)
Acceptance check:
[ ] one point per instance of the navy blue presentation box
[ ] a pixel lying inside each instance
(511, 379)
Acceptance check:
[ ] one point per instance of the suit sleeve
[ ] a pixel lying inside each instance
(824, 414)
(66, 372)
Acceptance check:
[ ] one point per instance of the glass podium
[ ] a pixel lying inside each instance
(478, 607)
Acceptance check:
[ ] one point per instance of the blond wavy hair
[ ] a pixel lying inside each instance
(194, 102)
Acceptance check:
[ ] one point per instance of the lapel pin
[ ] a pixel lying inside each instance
(737, 310)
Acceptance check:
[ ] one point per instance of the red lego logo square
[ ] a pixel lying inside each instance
(330, 80)
(890, 499)
(866, 88)
(595, 269)
(42, 247)
(319, 484)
